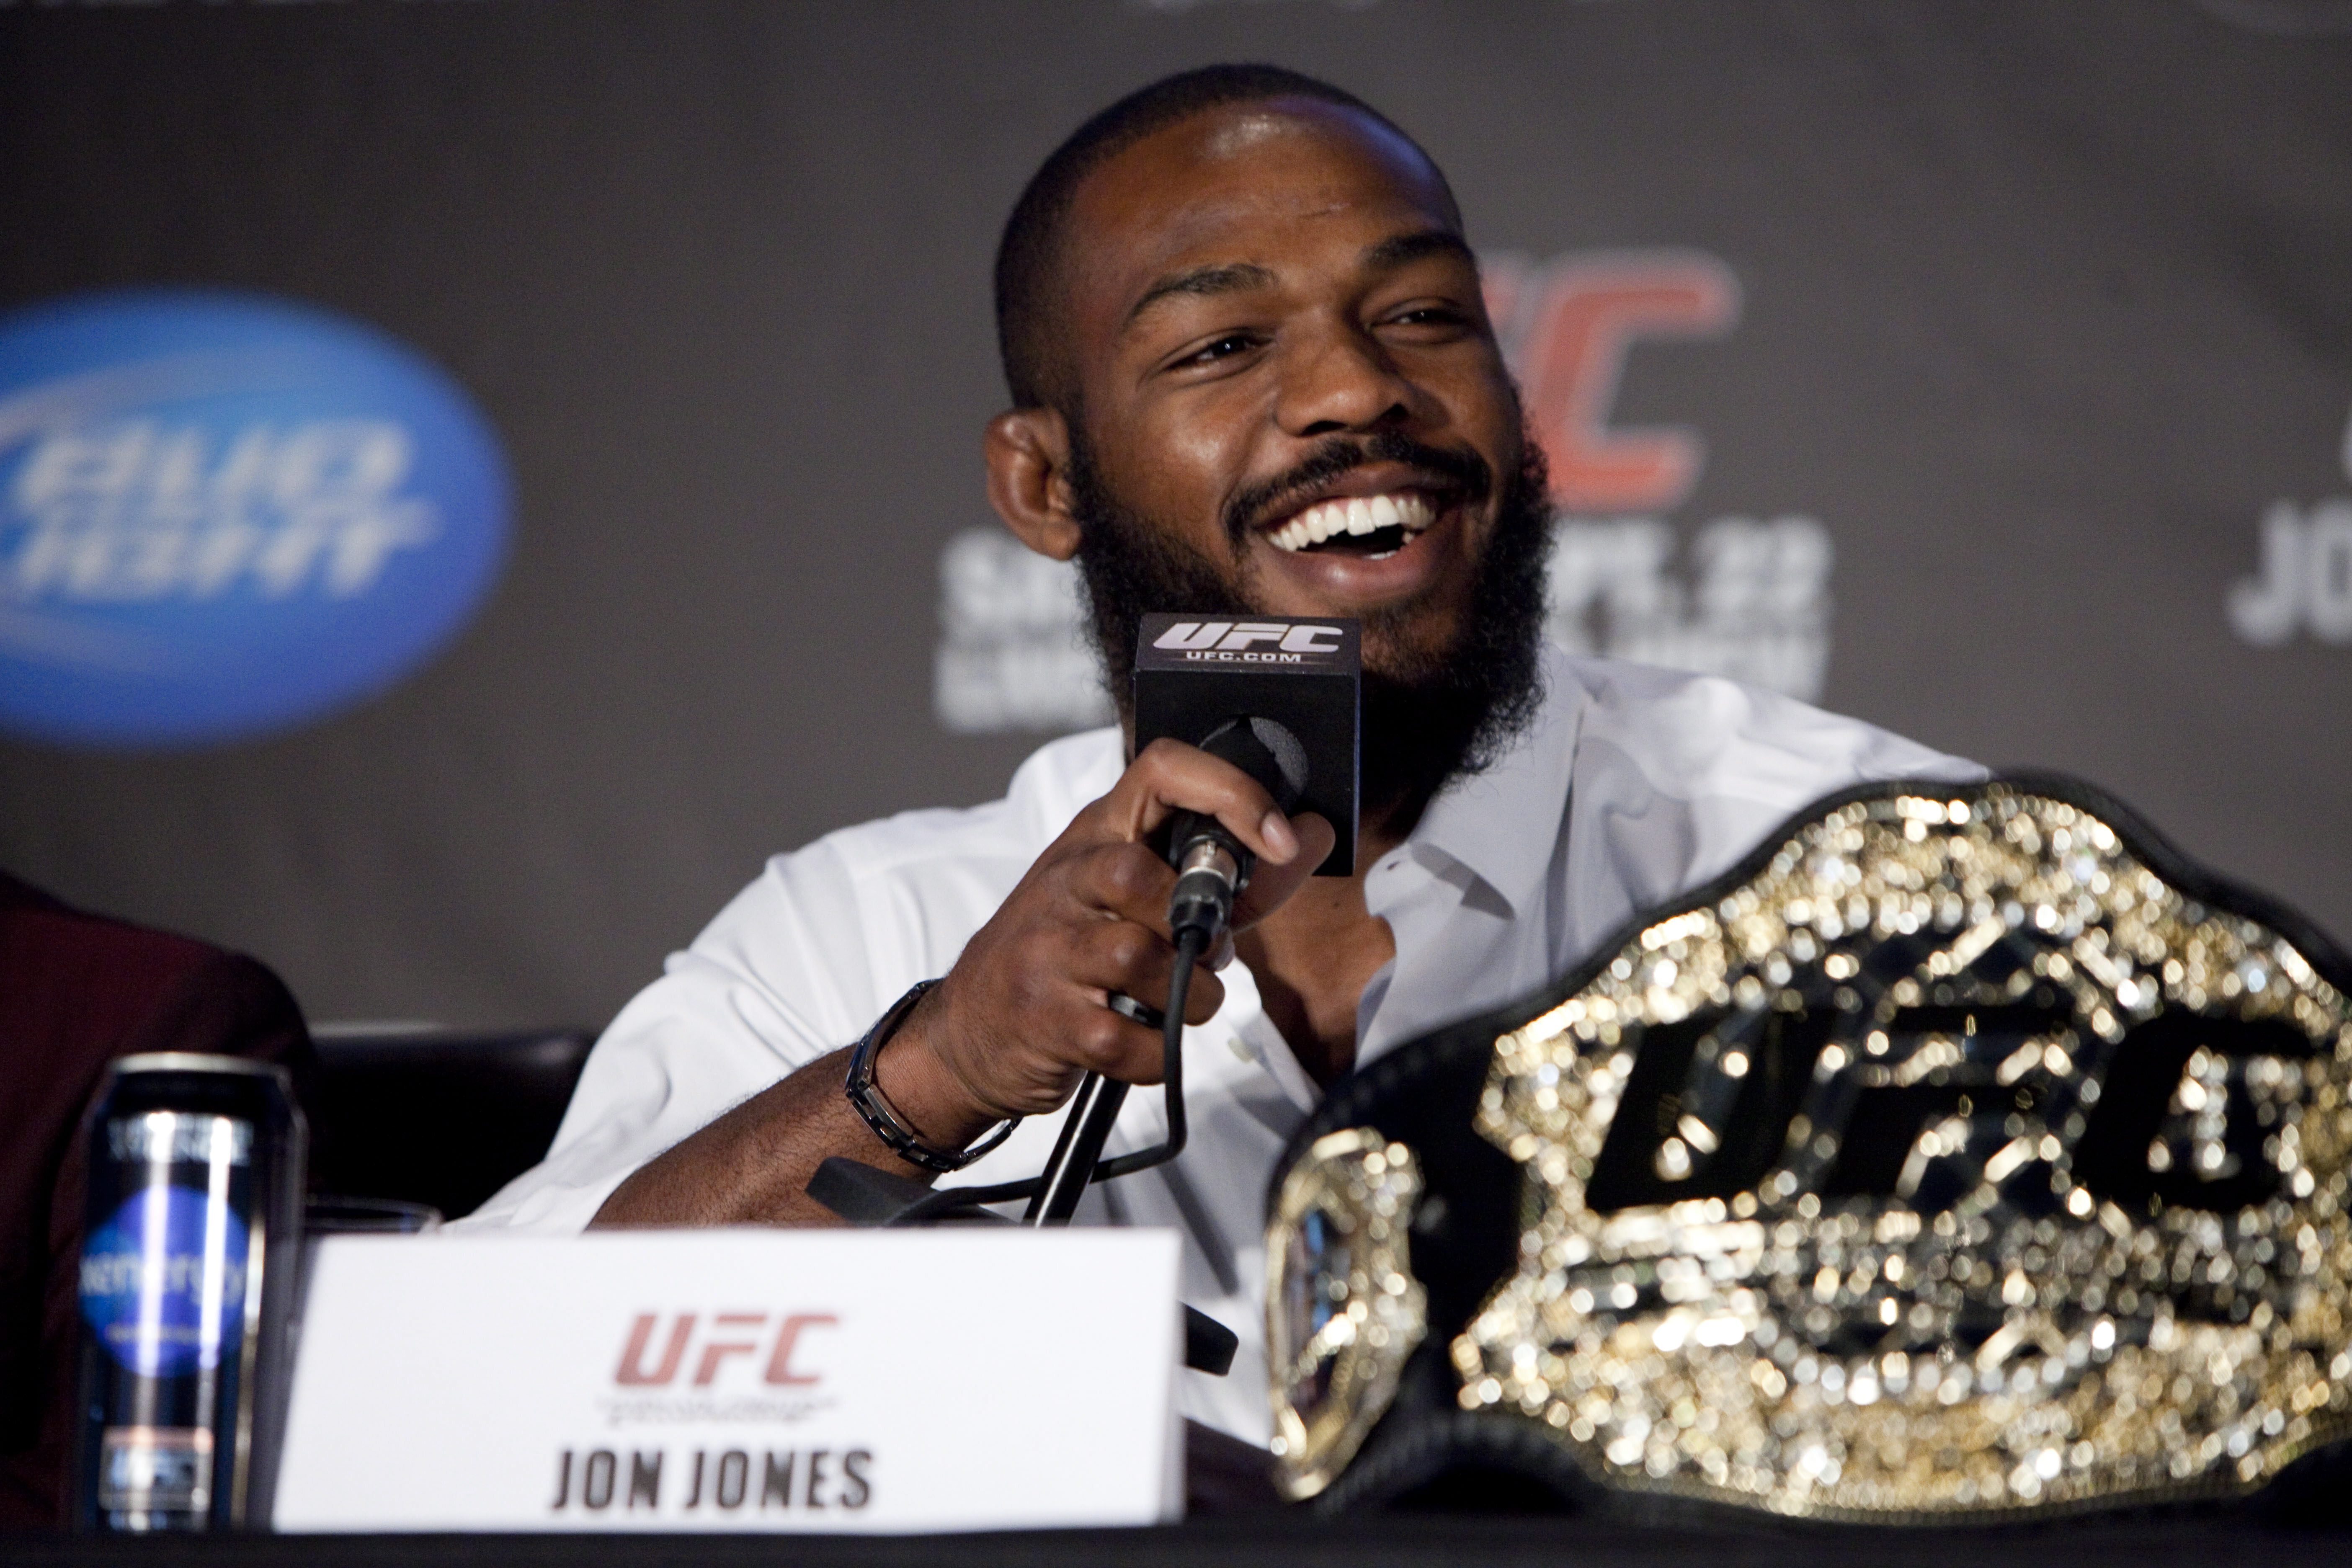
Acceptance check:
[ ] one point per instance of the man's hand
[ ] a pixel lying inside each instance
(1025, 1010)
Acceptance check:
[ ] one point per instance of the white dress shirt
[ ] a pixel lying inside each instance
(1631, 784)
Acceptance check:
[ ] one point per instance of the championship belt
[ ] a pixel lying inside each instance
(1966, 1152)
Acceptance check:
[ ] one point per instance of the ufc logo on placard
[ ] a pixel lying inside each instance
(700, 1347)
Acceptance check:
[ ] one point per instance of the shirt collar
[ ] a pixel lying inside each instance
(1501, 825)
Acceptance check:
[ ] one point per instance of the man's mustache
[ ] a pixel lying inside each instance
(1467, 474)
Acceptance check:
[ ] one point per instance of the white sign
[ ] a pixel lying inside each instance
(737, 1380)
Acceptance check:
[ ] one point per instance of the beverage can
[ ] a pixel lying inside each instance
(188, 1268)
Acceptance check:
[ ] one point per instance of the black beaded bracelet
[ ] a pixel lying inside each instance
(883, 1117)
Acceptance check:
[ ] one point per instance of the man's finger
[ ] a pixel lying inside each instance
(1113, 1045)
(1124, 957)
(1271, 886)
(1128, 880)
(1169, 776)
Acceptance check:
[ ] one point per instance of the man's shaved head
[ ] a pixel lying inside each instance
(1029, 273)
(1253, 370)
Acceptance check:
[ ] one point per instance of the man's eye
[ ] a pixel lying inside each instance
(1222, 348)
(1429, 315)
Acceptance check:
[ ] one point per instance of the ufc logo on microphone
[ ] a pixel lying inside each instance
(1229, 636)
(654, 1359)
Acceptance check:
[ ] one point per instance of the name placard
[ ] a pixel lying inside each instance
(737, 1380)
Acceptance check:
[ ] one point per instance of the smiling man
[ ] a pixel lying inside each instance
(1252, 374)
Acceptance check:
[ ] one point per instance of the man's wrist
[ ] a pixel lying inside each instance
(929, 1098)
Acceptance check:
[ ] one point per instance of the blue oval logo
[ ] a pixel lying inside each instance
(162, 1281)
(222, 516)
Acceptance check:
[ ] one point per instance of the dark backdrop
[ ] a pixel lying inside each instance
(2026, 317)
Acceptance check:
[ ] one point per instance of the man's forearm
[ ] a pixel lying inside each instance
(753, 1165)
(1010, 1028)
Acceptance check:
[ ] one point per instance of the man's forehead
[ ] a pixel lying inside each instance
(1216, 176)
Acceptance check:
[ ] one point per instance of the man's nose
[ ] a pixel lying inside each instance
(1340, 380)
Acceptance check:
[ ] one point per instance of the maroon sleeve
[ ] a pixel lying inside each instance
(75, 992)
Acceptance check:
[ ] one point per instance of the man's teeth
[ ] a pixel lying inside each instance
(1354, 514)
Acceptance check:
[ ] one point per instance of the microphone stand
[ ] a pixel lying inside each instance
(1094, 1110)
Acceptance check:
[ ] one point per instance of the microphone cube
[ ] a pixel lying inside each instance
(1193, 675)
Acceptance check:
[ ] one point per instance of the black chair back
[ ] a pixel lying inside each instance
(441, 1117)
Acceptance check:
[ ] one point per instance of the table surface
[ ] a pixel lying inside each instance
(2203, 1541)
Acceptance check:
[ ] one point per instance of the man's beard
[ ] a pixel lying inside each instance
(1429, 713)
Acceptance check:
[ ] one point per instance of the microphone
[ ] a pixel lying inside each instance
(1213, 866)
(1277, 700)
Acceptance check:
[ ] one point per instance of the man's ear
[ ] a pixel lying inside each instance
(1028, 479)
